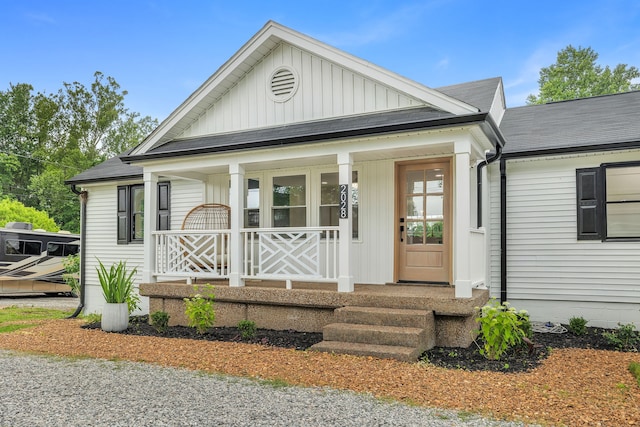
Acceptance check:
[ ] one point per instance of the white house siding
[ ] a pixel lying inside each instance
(373, 252)
(101, 234)
(549, 272)
(185, 195)
(100, 241)
(325, 90)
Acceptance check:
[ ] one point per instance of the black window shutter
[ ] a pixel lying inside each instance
(123, 214)
(588, 203)
(164, 206)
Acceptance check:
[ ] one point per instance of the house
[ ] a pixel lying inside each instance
(343, 178)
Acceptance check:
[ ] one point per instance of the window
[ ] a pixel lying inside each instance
(130, 211)
(61, 249)
(22, 247)
(608, 202)
(252, 203)
(330, 200)
(289, 201)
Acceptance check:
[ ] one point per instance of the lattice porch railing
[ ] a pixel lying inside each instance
(291, 253)
(275, 253)
(186, 253)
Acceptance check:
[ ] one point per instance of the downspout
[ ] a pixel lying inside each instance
(503, 230)
(493, 157)
(83, 228)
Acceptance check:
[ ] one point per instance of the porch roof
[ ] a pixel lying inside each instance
(404, 120)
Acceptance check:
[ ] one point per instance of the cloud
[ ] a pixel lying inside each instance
(443, 64)
(40, 18)
(391, 25)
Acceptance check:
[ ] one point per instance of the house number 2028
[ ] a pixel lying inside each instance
(344, 199)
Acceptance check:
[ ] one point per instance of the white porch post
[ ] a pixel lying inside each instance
(345, 279)
(150, 225)
(236, 202)
(462, 221)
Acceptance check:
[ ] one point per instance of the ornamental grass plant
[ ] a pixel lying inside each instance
(116, 282)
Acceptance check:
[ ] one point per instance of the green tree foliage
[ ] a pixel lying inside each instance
(576, 75)
(46, 139)
(13, 210)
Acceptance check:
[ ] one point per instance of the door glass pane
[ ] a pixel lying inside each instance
(623, 184)
(415, 233)
(415, 182)
(434, 232)
(435, 180)
(415, 207)
(435, 207)
(329, 190)
(623, 220)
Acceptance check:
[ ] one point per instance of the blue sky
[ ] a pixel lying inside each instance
(160, 51)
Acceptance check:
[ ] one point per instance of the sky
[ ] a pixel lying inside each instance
(160, 51)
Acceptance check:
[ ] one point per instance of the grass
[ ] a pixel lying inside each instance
(15, 318)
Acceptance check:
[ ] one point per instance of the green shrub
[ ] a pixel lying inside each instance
(634, 368)
(247, 329)
(501, 327)
(578, 326)
(160, 320)
(199, 310)
(625, 338)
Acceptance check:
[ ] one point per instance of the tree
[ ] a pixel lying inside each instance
(46, 139)
(576, 75)
(13, 210)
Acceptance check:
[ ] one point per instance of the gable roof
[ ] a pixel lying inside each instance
(588, 124)
(270, 36)
(479, 93)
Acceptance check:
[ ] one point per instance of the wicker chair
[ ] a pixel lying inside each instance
(209, 216)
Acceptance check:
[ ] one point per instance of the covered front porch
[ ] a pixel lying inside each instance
(366, 231)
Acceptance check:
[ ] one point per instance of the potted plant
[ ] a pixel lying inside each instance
(116, 284)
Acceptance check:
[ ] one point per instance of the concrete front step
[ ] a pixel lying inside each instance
(404, 354)
(374, 334)
(385, 316)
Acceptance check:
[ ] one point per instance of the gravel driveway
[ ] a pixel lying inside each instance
(39, 300)
(52, 391)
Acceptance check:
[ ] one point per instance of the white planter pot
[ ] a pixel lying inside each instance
(115, 317)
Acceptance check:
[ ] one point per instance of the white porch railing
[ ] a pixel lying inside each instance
(273, 253)
(291, 253)
(186, 253)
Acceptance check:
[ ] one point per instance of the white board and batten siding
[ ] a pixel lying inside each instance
(550, 272)
(101, 237)
(324, 90)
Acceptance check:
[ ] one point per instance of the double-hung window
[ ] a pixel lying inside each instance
(130, 212)
(608, 202)
(289, 201)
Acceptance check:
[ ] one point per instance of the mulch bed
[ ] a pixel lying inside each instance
(520, 359)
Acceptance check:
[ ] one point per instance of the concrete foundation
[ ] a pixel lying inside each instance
(308, 307)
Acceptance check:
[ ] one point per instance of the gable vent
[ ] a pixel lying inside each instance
(283, 84)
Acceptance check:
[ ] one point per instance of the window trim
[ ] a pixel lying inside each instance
(598, 202)
(124, 211)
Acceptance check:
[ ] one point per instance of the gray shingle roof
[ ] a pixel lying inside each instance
(573, 125)
(479, 93)
(320, 130)
(109, 170)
